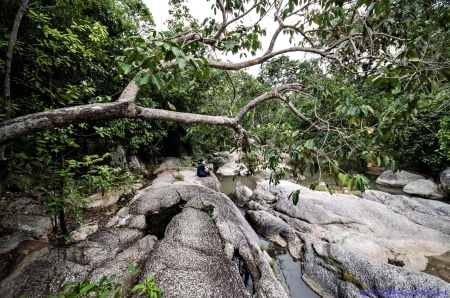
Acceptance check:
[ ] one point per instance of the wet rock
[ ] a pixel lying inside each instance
(425, 188)
(398, 179)
(9, 242)
(241, 195)
(445, 179)
(276, 230)
(118, 158)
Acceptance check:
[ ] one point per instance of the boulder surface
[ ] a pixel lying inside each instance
(425, 188)
(398, 179)
(350, 243)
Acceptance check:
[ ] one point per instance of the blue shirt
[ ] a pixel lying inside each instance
(201, 171)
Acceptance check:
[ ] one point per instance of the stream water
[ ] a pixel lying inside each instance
(287, 268)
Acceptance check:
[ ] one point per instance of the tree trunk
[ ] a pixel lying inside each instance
(126, 108)
(9, 55)
(62, 223)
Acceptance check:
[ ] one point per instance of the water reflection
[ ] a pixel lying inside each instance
(288, 270)
(228, 185)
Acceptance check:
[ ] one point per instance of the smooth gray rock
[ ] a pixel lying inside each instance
(136, 165)
(118, 158)
(333, 270)
(32, 225)
(170, 163)
(189, 175)
(348, 240)
(445, 179)
(190, 262)
(276, 230)
(231, 167)
(82, 232)
(234, 230)
(9, 242)
(123, 218)
(263, 196)
(241, 195)
(425, 188)
(398, 179)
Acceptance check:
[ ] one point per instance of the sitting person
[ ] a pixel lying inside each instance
(202, 171)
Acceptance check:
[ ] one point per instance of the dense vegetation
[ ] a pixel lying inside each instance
(377, 90)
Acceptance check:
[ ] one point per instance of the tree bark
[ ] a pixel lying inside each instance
(9, 56)
(125, 107)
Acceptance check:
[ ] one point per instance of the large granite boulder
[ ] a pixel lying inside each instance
(241, 195)
(170, 163)
(237, 238)
(44, 269)
(231, 167)
(190, 262)
(350, 243)
(195, 258)
(189, 176)
(398, 179)
(425, 188)
(445, 179)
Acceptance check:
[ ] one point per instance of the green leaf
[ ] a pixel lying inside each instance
(88, 287)
(229, 45)
(351, 184)
(132, 270)
(181, 62)
(171, 106)
(330, 189)
(143, 79)
(394, 166)
(106, 294)
(169, 56)
(118, 293)
(295, 196)
(137, 287)
(434, 87)
(176, 51)
(156, 80)
(126, 68)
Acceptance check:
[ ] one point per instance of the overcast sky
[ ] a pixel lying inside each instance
(201, 9)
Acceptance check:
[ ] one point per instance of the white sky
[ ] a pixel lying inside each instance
(201, 9)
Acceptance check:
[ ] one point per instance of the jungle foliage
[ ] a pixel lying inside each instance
(376, 91)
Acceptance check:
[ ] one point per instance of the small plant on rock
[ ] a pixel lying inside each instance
(272, 264)
(149, 289)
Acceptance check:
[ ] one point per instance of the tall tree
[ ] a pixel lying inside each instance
(394, 43)
(8, 62)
